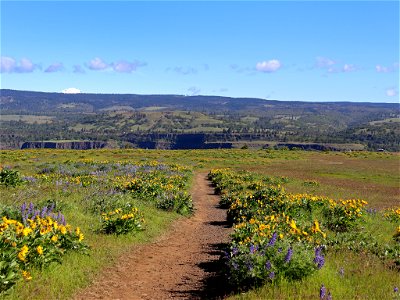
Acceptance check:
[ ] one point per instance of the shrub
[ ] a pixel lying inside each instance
(121, 220)
(9, 177)
(35, 243)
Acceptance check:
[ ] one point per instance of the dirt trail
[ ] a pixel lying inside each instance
(181, 264)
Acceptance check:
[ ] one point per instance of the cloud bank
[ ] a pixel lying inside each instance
(333, 66)
(122, 66)
(10, 65)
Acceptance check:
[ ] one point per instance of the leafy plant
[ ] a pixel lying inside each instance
(122, 221)
(9, 177)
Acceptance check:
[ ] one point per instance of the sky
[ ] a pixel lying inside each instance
(282, 50)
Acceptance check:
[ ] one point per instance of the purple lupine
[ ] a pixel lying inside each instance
(23, 208)
(396, 289)
(63, 219)
(319, 258)
(226, 255)
(44, 212)
(249, 266)
(30, 179)
(271, 275)
(235, 251)
(322, 292)
(289, 254)
(23, 213)
(279, 250)
(30, 209)
(273, 239)
(329, 297)
(268, 265)
(253, 248)
(35, 214)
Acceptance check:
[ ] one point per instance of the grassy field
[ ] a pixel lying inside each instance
(373, 177)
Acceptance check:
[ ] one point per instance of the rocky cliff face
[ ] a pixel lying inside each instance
(75, 145)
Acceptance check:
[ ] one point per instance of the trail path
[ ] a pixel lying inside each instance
(181, 264)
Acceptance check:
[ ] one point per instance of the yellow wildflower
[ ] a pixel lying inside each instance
(22, 254)
(293, 224)
(26, 231)
(81, 237)
(63, 229)
(26, 275)
(39, 250)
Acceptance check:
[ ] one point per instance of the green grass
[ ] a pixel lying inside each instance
(61, 281)
(370, 176)
(364, 277)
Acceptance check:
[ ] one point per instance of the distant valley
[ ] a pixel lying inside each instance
(183, 122)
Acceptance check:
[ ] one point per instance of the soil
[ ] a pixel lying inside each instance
(181, 264)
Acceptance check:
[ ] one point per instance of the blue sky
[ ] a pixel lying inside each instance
(284, 50)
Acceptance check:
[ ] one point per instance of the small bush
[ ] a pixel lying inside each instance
(10, 177)
(121, 221)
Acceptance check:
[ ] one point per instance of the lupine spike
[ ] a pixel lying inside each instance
(322, 292)
(273, 239)
(289, 254)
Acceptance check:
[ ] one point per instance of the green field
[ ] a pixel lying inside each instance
(83, 184)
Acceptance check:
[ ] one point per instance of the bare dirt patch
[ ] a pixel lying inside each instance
(182, 264)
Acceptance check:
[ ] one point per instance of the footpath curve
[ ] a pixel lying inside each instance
(181, 264)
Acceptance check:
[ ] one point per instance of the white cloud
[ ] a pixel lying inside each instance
(324, 62)
(349, 68)
(182, 70)
(56, 67)
(268, 66)
(9, 65)
(97, 64)
(384, 69)
(26, 65)
(381, 69)
(126, 66)
(391, 92)
(71, 91)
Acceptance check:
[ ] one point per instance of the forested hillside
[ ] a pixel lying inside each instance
(176, 121)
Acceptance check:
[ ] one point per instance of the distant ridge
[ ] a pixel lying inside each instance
(182, 122)
(87, 102)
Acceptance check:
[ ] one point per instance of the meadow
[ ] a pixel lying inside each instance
(108, 201)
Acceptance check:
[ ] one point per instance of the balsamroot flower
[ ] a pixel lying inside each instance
(39, 250)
